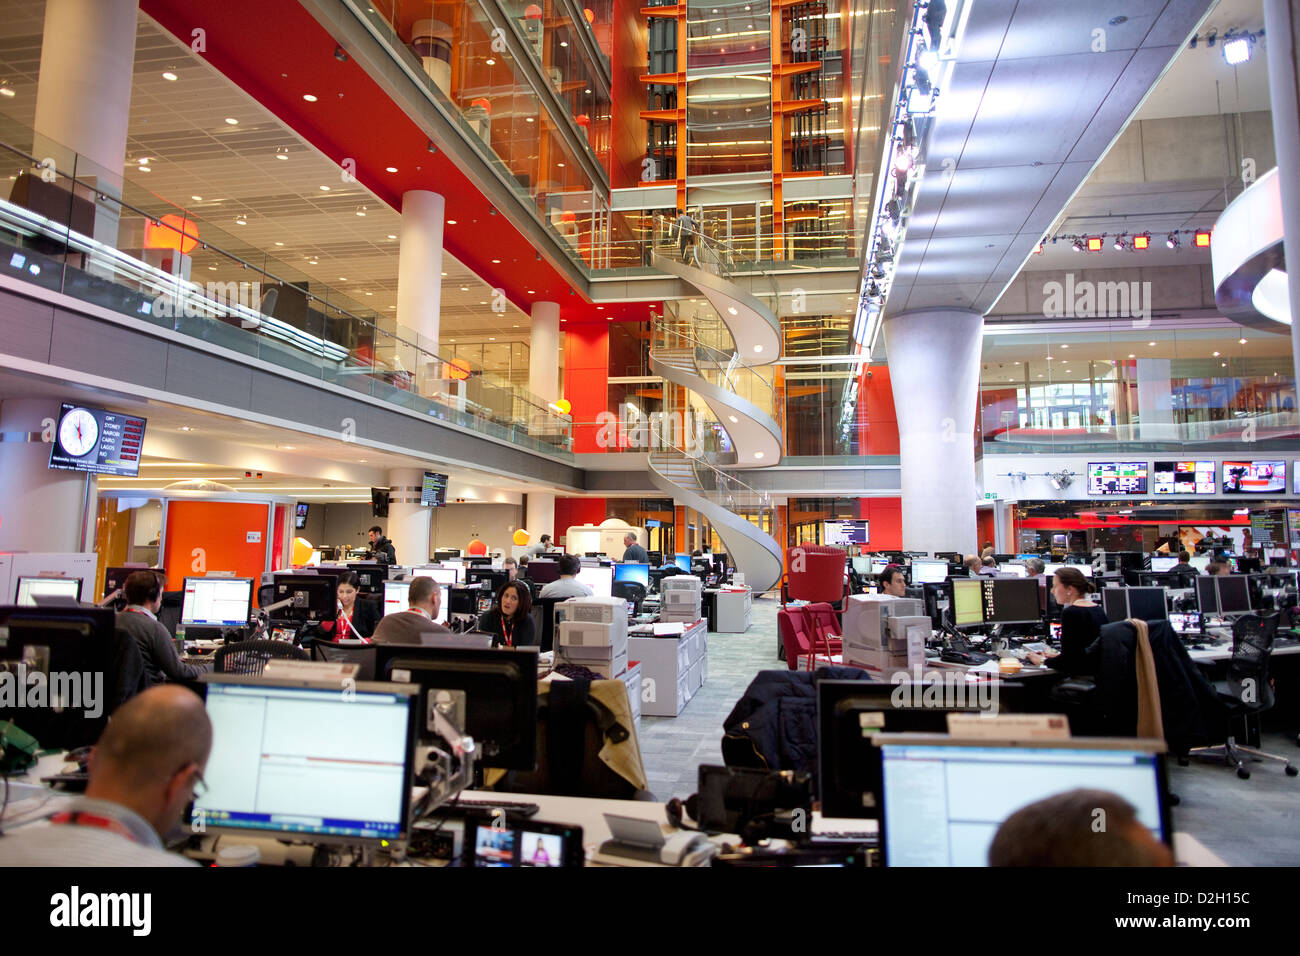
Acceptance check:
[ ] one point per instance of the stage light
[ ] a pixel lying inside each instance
(1120, 244)
(1094, 244)
(1172, 241)
(1237, 50)
(1078, 245)
(1141, 243)
(1202, 239)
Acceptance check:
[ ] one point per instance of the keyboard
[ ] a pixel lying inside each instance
(513, 808)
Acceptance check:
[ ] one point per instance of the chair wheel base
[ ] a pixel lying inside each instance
(1292, 771)
(1243, 773)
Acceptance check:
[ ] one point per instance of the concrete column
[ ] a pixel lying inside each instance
(408, 521)
(419, 280)
(83, 96)
(1155, 400)
(934, 361)
(544, 351)
(1282, 30)
(42, 509)
(539, 517)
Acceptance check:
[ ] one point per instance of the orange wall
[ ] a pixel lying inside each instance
(885, 522)
(627, 94)
(220, 529)
(586, 377)
(876, 415)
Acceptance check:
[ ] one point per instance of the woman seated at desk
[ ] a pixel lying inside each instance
(357, 619)
(510, 619)
(1081, 624)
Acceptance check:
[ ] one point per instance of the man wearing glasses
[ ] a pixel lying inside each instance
(145, 769)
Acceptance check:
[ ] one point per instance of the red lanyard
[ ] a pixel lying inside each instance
(507, 631)
(93, 820)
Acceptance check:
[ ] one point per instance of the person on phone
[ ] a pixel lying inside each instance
(1081, 622)
(357, 619)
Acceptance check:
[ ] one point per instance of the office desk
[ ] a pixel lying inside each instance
(1223, 652)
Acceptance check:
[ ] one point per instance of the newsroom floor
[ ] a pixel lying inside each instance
(1245, 822)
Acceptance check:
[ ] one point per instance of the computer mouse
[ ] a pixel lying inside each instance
(1199, 647)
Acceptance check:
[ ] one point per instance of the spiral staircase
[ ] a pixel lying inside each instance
(715, 355)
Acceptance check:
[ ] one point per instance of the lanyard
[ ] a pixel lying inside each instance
(507, 631)
(82, 819)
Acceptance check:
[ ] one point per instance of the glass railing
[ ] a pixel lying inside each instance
(699, 335)
(719, 487)
(140, 255)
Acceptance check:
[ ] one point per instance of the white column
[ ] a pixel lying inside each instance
(539, 517)
(1282, 29)
(407, 525)
(934, 362)
(41, 509)
(83, 97)
(419, 278)
(544, 351)
(1155, 400)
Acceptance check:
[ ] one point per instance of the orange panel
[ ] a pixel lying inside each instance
(219, 529)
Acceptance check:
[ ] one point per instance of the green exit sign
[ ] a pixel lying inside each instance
(990, 494)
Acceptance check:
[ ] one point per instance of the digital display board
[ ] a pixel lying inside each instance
(1183, 478)
(1117, 477)
(1254, 477)
(844, 533)
(97, 441)
(433, 493)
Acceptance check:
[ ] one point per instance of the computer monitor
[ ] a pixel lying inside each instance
(1201, 562)
(966, 602)
(861, 564)
(448, 577)
(1014, 570)
(924, 571)
(849, 711)
(115, 578)
(313, 597)
(1084, 569)
(1143, 603)
(944, 799)
(542, 572)
(1207, 595)
(446, 554)
(878, 565)
(76, 645)
(683, 561)
(1011, 601)
(397, 599)
(37, 590)
(950, 556)
(1234, 594)
(372, 576)
(499, 687)
(635, 573)
(495, 578)
(600, 579)
(301, 759)
(225, 602)
(1163, 563)
(656, 558)
(1248, 565)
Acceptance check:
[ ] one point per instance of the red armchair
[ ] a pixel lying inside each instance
(817, 574)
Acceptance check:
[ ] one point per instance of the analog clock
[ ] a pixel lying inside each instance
(78, 433)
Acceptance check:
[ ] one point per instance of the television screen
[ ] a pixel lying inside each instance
(433, 494)
(845, 533)
(379, 502)
(1117, 477)
(1254, 477)
(1183, 478)
(301, 509)
(97, 441)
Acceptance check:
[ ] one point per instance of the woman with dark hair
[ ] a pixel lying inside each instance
(357, 619)
(510, 620)
(1081, 622)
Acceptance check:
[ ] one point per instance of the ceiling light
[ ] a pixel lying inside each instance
(490, 62)
(734, 419)
(1131, 355)
(343, 278)
(309, 97)
(1094, 244)
(279, 243)
(170, 77)
(496, 262)
(758, 454)
(392, 236)
(186, 428)
(451, 222)
(1172, 241)
(1141, 243)
(1216, 354)
(564, 43)
(528, 119)
(1120, 244)
(144, 169)
(231, 121)
(361, 211)
(1202, 239)
(1078, 245)
(731, 309)
(241, 221)
(1241, 341)
(1065, 346)
(561, 165)
(1237, 50)
(1152, 344)
(391, 169)
(324, 189)
(758, 348)
(197, 198)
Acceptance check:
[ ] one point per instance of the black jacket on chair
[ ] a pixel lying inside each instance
(1189, 705)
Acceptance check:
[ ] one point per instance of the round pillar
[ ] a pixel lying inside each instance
(42, 509)
(419, 273)
(1282, 28)
(408, 521)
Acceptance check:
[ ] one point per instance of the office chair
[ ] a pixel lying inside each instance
(250, 657)
(816, 575)
(347, 652)
(631, 591)
(1247, 693)
(169, 615)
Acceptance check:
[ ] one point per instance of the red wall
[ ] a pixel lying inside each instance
(985, 529)
(627, 94)
(877, 420)
(886, 522)
(575, 511)
(586, 377)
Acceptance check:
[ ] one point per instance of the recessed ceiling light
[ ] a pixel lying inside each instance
(758, 454)
(444, 275)
(758, 348)
(564, 43)
(1065, 346)
(528, 119)
(212, 268)
(451, 222)
(561, 165)
(369, 293)
(1131, 355)
(170, 77)
(5, 91)
(279, 243)
(1216, 354)
(481, 302)
(197, 198)
(492, 338)
(393, 236)
(1151, 344)
(310, 98)
(288, 448)
(324, 189)
(391, 169)
(144, 169)
(343, 278)
(731, 309)
(734, 419)
(241, 221)
(496, 262)
(1241, 341)
(231, 121)
(464, 288)
(490, 62)
(186, 428)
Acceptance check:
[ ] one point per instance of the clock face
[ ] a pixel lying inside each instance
(78, 433)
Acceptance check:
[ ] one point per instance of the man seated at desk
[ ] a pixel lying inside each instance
(143, 591)
(418, 621)
(143, 772)
(893, 581)
(568, 586)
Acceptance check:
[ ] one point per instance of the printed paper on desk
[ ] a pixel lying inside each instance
(1009, 726)
(669, 630)
(310, 670)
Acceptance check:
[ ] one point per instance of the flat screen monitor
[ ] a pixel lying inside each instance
(861, 564)
(311, 597)
(929, 572)
(1163, 563)
(1015, 570)
(634, 573)
(1201, 562)
(115, 578)
(397, 599)
(542, 572)
(97, 441)
(1084, 569)
(878, 565)
(447, 554)
(301, 758)
(966, 604)
(379, 502)
(849, 711)
(300, 512)
(944, 799)
(433, 491)
(1183, 477)
(499, 706)
(37, 590)
(495, 578)
(445, 576)
(1207, 595)
(683, 561)
(73, 641)
(372, 576)
(218, 602)
(1010, 601)
(1254, 477)
(1234, 593)
(1145, 604)
(656, 559)
(530, 844)
(845, 533)
(1117, 478)
(600, 579)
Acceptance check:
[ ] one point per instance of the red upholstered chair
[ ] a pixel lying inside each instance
(794, 639)
(817, 574)
(822, 626)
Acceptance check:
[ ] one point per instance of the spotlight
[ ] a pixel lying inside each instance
(340, 55)
(1202, 238)
(1172, 241)
(1142, 243)
(1120, 244)
(929, 62)
(1236, 50)
(902, 160)
(1094, 243)
(1209, 41)
(431, 148)
(1077, 246)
